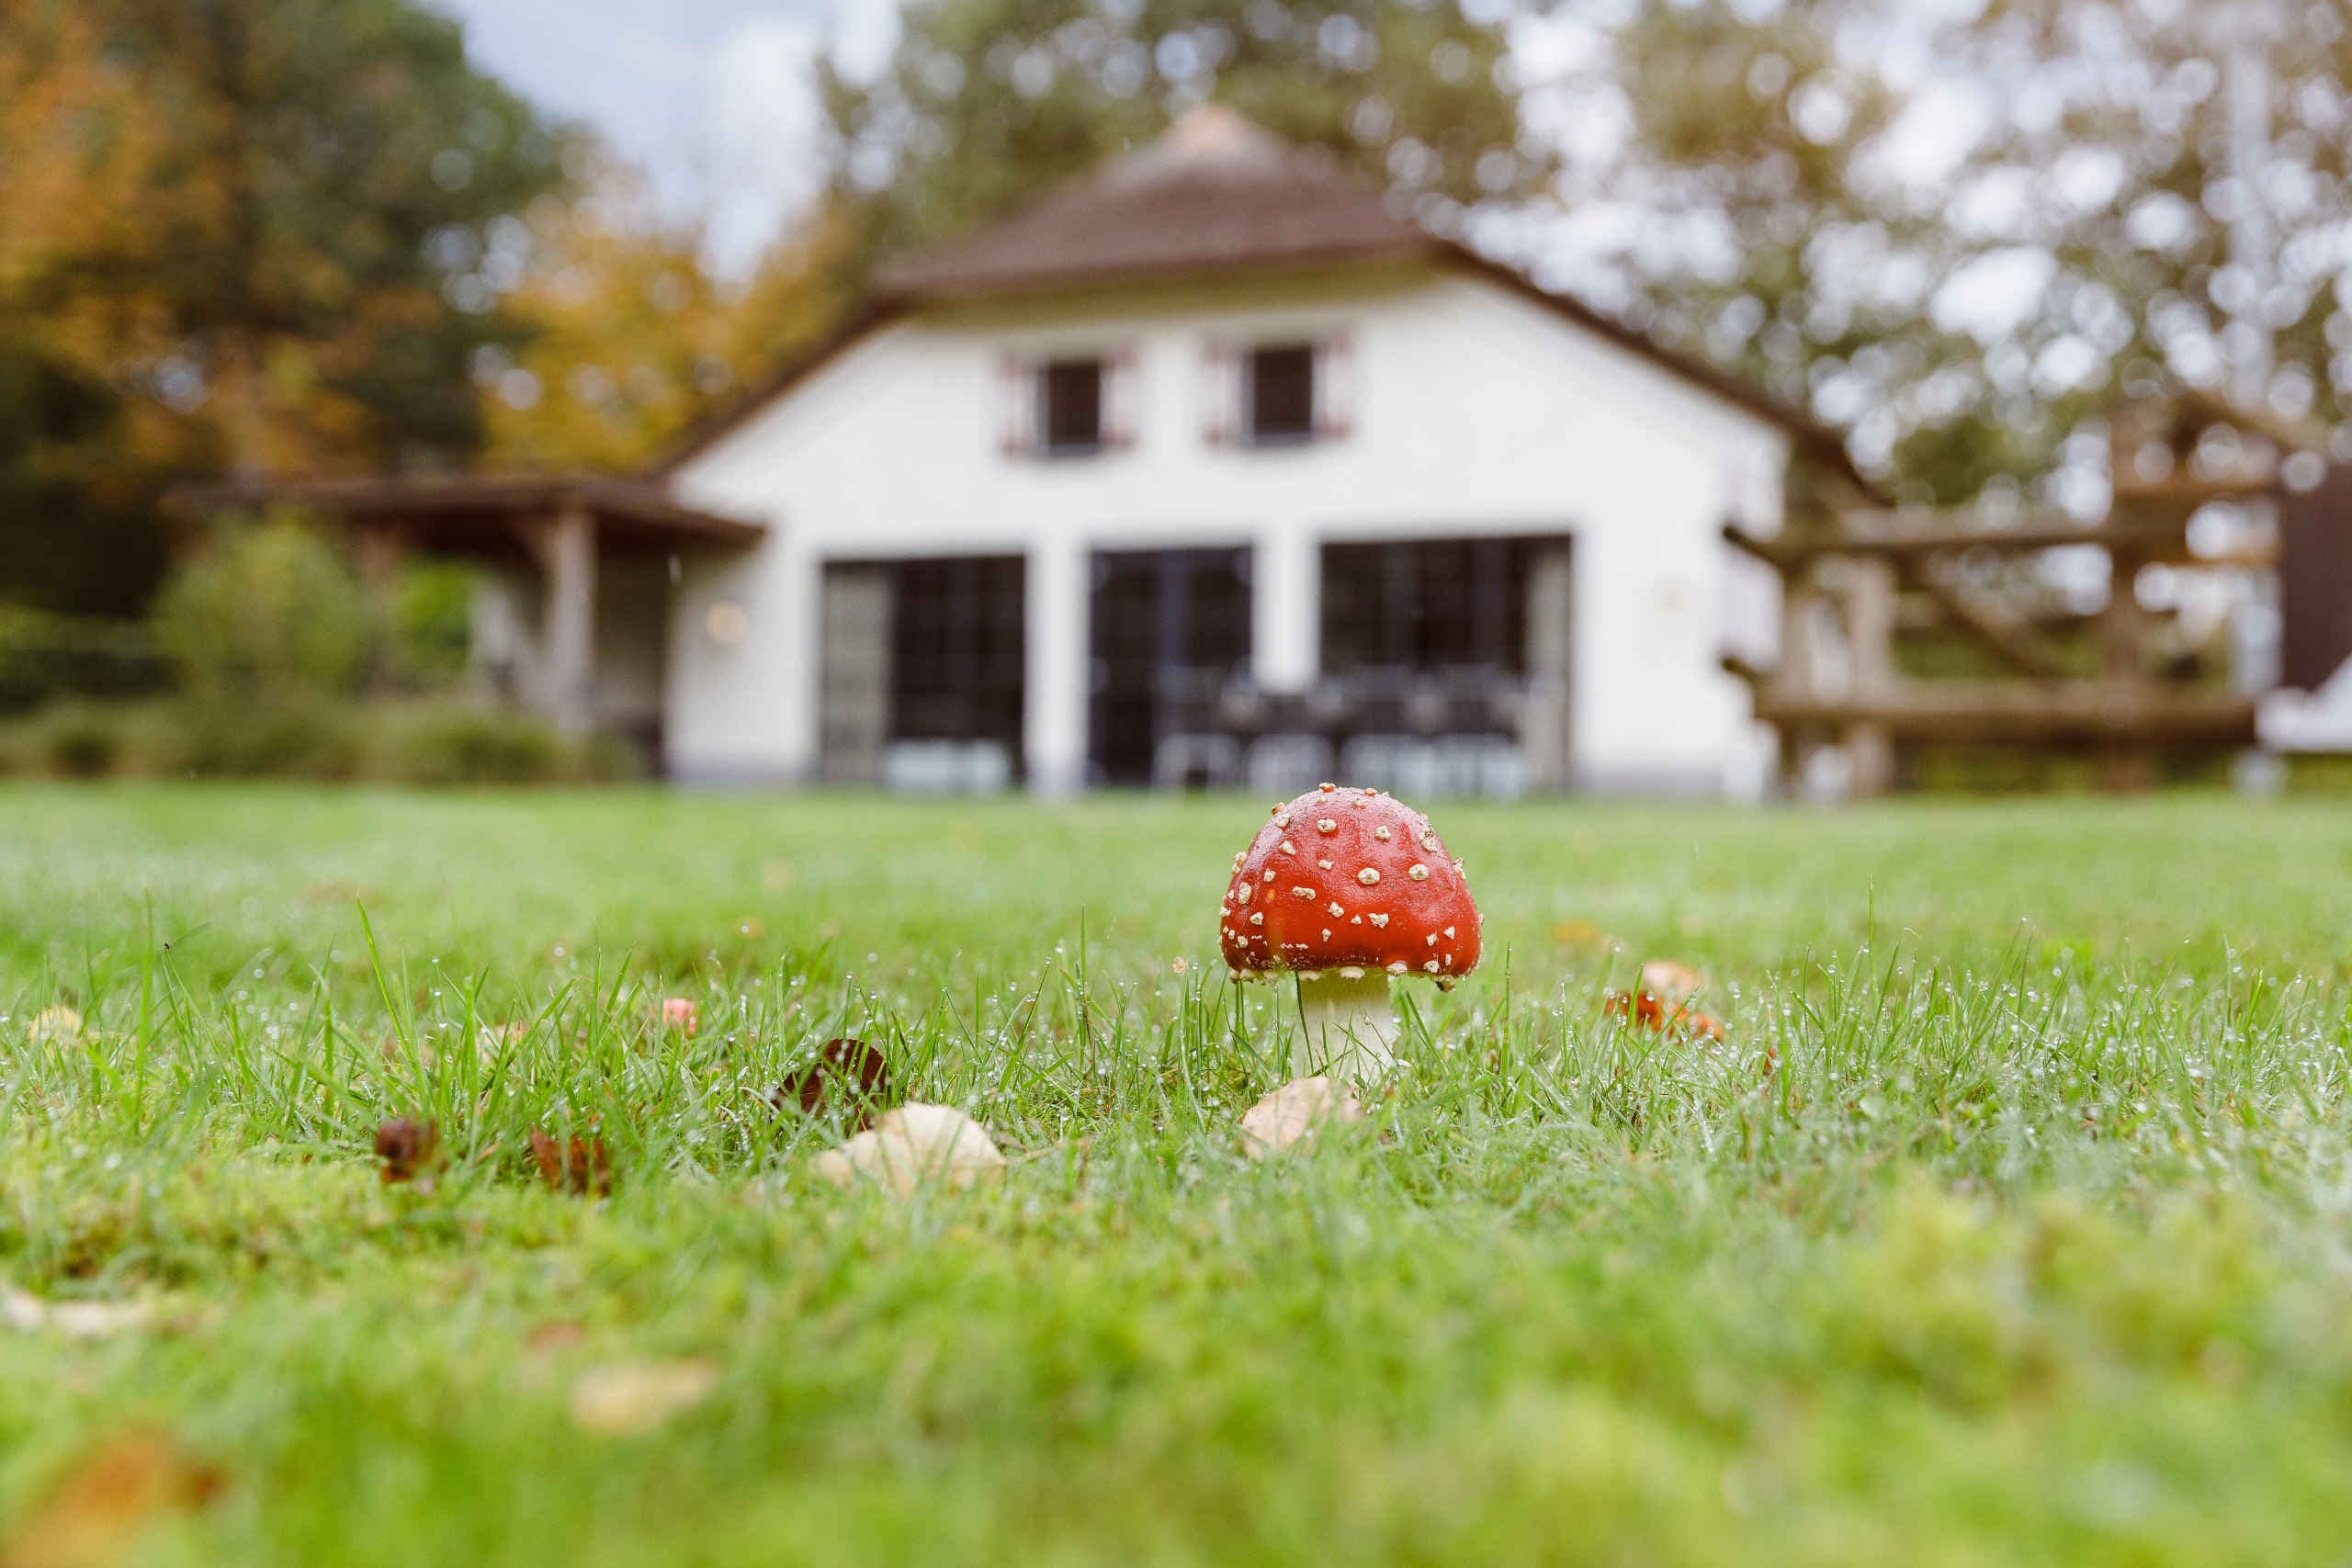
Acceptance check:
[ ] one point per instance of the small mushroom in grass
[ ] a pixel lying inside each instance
(1671, 982)
(911, 1145)
(1292, 1113)
(681, 1014)
(846, 1072)
(1379, 897)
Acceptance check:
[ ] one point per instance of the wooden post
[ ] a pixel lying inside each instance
(1870, 641)
(1799, 678)
(2122, 625)
(566, 546)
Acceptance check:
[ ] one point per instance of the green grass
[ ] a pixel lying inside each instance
(2013, 1224)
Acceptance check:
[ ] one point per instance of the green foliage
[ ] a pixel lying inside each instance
(271, 612)
(987, 102)
(269, 243)
(423, 743)
(432, 622)
(44, 655)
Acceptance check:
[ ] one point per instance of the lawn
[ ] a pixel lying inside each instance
(2011, 1223)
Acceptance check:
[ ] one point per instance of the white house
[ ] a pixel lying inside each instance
(1212, 466)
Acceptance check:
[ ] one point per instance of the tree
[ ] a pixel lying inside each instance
(627, 336)
(986, 102)
(260, 240)
(1961, 233)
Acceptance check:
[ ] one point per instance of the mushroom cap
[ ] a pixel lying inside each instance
(1349, 879)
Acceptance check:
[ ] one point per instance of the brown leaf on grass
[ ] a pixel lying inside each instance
(1643, 1008)
(94, 1513)
(1293, 1113)
(636, 1396)
(577, 1165)
(59, 1025)
(409, 1149)
(845, 1072)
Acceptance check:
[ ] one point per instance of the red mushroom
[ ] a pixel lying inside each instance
(1343, 889)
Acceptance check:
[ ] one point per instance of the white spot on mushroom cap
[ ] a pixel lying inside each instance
(1324, 863)
(1243, 891)
(1381, 834)
(1336, 909)
(1380, 920)
(1286, 846)
(1417, 871)
(1326, 825)
(1431, 967)
(1257, 916)
(1304, 892)
(1368, 875)
(1269, 874)
(1398, 968)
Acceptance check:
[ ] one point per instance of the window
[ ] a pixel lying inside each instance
(1427, 604)
(1282, 394)
(1071, 391)
(958, 631)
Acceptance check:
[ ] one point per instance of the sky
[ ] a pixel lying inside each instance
(711, 98)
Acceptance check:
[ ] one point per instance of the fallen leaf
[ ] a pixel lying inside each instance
(845, 1069)
(1293, 1111)
(409, 1149)
(912, 1144)
(1575, 933)
(579, 1165)
(681, 1014)
(76, 1320)
(54, 1026)
(94, 1513)
(636, 1396)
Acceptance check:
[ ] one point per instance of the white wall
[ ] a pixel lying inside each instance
(1474, 412)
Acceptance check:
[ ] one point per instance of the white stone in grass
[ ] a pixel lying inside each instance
(1292, 1113)
(636, 1396)
(76, 1320)
(913, 1145)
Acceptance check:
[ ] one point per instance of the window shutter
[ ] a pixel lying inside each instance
(1220, 393)
(1017, 394)
(1335, 388)
(1120, 397)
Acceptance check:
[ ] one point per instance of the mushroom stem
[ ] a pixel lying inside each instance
(1346, 1026)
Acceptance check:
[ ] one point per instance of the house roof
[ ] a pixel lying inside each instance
(449, 509)
(1217, 193)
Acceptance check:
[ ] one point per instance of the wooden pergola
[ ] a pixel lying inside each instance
(1855, 576)
(557, 524)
